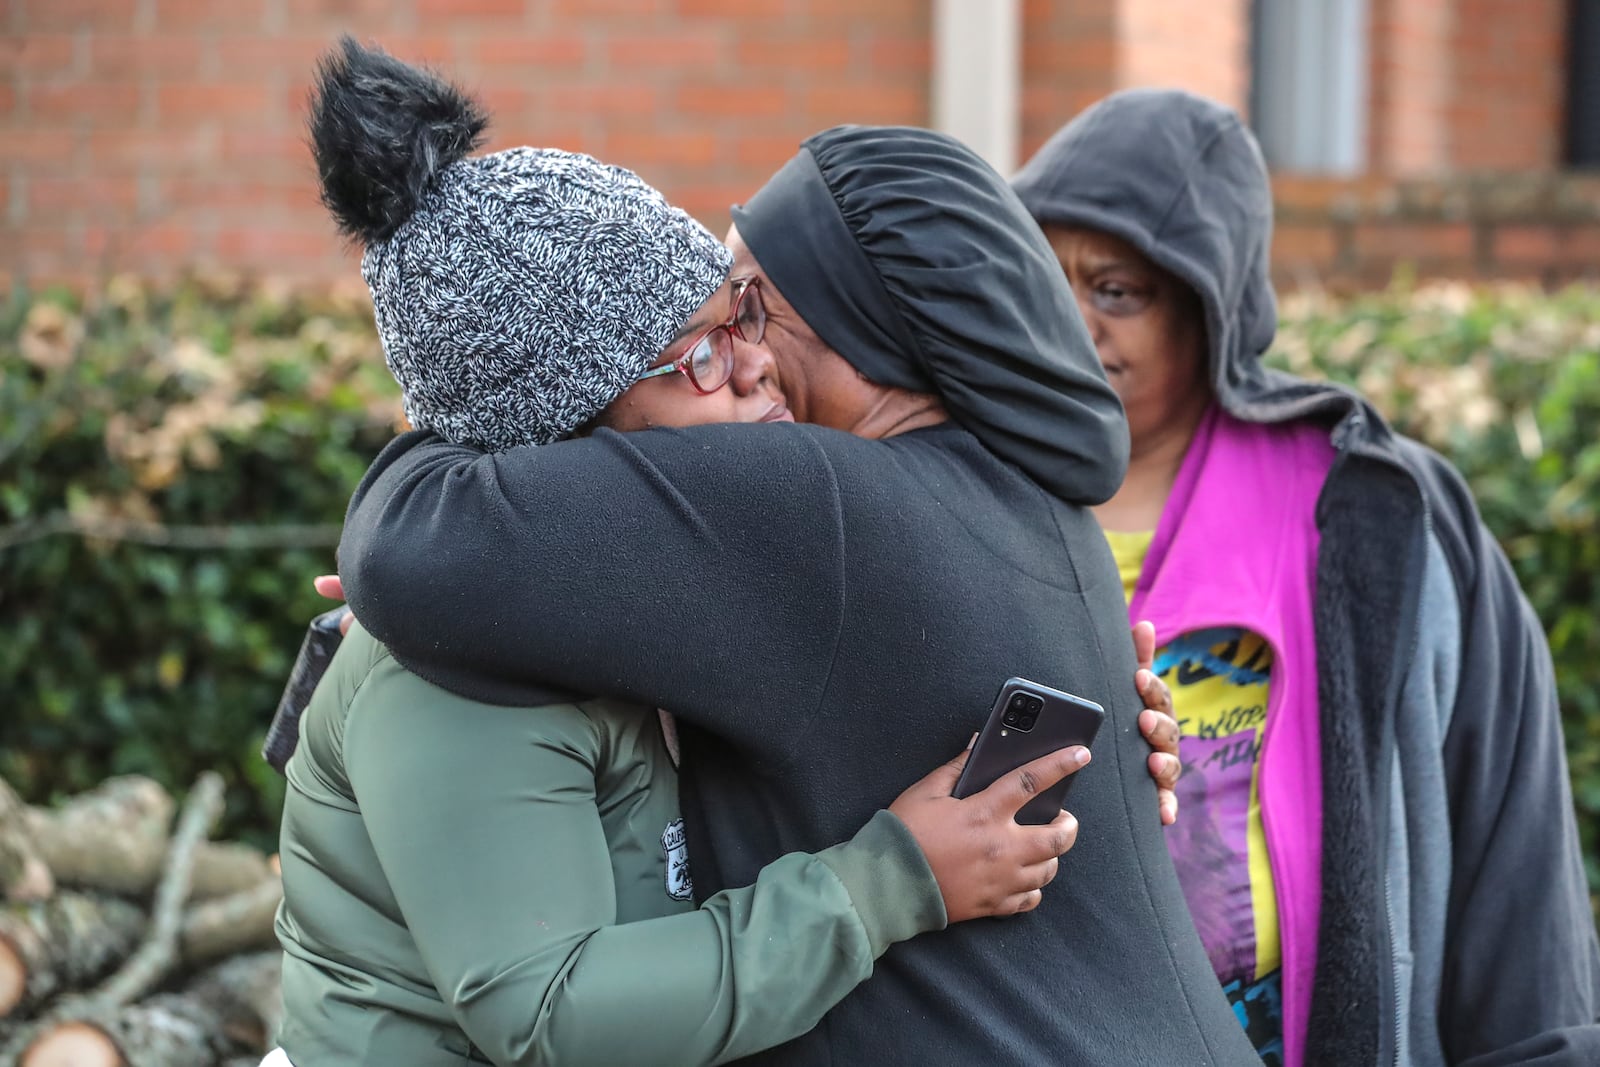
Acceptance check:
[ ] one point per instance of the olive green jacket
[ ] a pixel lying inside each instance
(468, 883)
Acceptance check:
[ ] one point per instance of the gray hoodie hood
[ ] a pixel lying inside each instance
(1182, 180)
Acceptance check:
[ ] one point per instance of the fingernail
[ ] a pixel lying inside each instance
(1080, 756)
(1143, 679)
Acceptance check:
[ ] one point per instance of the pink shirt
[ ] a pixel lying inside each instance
(1237, 546)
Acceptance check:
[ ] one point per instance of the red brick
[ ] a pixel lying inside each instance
(339, 12)
(765, 151)
(528, 55)
(748, 10)
(101, 241)
(455, 11)
(876, 103)
(643, 150)
(1527, 243)
(1296, 244)
(134, 246)
(433, 50)
(880, 14)
(900, 54)
(131, 56)
(710, 206)
(1414, 242)
(262, 57)
(42, 255)
(202, 101)
(263, 146)
(1052, 57)
(701, 52)
(41, 54)
(237, 15)
(505, 103)
(710, 101)
(124, 150)
(296, 103)
(599, 100)
(51, 147)
(1583, 245)
(241, 196)
(539, 132)
(92, 103)
(168, 241)
(764, 53)
(1308, 194)
(49, 197)
(31, 15)
(597, 10)
(279, 246)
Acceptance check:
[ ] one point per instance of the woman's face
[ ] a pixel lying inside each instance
(753, 392)
(1147, 327)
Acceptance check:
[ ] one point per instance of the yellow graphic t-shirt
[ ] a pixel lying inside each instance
(1219, 680)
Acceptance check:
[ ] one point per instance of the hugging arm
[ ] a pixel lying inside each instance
(695, 551)
(502, 874)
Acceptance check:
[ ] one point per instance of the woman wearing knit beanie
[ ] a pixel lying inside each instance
(467, 882)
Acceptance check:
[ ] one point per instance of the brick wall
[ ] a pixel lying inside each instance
(1466, 85)
(153, 134)
(1410, 86)
(1069, 60)
(1356, 234)
(1076, 51)
(1200, 46)
(1510, 66)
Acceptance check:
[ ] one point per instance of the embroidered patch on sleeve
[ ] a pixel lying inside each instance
(679, 885)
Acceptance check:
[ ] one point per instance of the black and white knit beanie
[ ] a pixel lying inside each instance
(516, 294)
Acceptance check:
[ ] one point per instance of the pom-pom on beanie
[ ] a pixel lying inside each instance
(516, 294)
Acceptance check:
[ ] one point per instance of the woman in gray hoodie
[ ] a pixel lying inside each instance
(1378, 843)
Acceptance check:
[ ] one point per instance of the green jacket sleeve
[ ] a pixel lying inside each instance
(484, 821)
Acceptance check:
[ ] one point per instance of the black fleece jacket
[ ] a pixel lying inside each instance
(830, 617)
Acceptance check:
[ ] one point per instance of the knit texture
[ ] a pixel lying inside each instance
(529, 289)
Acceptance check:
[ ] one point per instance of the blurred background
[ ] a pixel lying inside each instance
(190, 388)
(154, 135)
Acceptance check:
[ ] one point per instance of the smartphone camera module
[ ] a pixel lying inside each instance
(1022, 711)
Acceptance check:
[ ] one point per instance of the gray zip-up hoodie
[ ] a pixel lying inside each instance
(1455, 920)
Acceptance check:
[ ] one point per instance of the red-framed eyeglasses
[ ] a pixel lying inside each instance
(708, 361)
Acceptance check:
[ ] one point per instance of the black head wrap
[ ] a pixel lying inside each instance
(912, 258)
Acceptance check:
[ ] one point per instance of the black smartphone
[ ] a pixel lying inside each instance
(321, 642)
(1029, 720)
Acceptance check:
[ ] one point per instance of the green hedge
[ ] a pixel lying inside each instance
(231, 422)
(173, 468)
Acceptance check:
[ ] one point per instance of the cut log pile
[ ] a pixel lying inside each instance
(128, 939)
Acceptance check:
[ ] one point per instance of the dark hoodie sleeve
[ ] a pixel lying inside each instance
(694, 554)
(1521, 980)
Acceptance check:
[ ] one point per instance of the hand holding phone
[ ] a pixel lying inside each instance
(985, 863)
(1028, 721)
